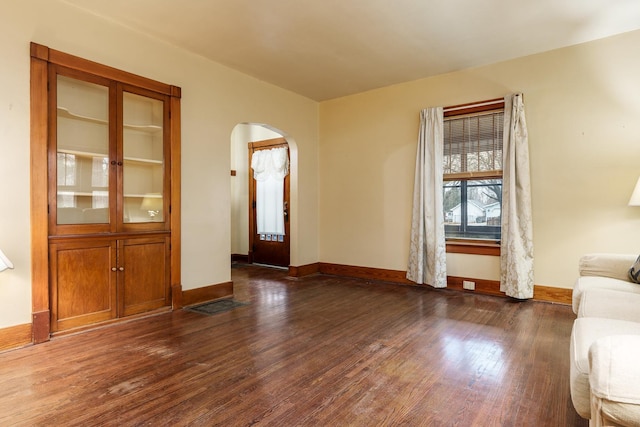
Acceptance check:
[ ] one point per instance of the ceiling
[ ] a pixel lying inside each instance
(325, 49)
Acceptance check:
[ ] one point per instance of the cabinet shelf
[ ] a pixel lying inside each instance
(140, 196)
(97, 193)
(64, 112)
(143, 128)
(83, 193)
(81, 153)
(143, 161)
(90, 154)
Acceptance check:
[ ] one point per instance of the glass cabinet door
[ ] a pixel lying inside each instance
(143, 159)
(82, 164)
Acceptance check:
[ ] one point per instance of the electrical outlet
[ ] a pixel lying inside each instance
(468, 285)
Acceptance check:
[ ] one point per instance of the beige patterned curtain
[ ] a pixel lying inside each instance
(427, 251)
(516, 248)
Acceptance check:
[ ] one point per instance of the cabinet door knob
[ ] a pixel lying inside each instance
(113, 269)
(113, 162)
(121, 268)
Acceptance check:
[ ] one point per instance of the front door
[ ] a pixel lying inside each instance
(268, 244)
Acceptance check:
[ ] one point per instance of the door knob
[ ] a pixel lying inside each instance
(121, 269)
(113, 269)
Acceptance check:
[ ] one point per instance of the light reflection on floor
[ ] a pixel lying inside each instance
(477, 356)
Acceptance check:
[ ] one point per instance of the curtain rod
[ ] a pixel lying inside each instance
(474, 105)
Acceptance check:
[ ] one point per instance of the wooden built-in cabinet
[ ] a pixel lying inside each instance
(99, 279)
(105, 158)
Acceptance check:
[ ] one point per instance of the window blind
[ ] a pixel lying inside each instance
(473, 143)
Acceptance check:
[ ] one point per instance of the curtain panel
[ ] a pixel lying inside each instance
(516, 247)
(427, 251)
(270, 167)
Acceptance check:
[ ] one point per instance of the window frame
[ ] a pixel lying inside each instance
(464, 227)
(467, 245)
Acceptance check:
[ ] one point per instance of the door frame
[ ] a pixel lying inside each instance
(261, 145)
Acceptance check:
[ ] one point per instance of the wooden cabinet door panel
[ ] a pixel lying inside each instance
(83, 283)
(145, 278)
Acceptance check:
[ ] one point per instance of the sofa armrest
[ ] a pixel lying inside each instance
(614, 380)
(615, 266)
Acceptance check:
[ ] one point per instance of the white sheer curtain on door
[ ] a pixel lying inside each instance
(270, 167)
(516, 248)
(427, 251)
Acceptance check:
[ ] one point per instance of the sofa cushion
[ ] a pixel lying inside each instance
(597, 282)
(614, 377)
(611, 265)
(586, 330)
(610, 304)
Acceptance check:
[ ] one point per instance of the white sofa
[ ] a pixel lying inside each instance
(604, 271)
(605, 342)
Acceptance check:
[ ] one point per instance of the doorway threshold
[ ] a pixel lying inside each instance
(278, 267)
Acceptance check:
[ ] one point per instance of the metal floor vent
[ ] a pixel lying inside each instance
(214, 307)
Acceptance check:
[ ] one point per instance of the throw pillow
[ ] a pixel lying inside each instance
(634, 271)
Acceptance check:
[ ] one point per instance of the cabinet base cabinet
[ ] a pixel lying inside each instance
(83, 286)
(145, 277)
(95, 280)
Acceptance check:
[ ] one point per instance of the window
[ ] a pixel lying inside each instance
(472, 166)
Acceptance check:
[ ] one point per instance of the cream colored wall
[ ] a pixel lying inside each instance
(214, 100)
(582, 106)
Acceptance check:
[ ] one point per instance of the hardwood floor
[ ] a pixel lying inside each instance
(317, 351)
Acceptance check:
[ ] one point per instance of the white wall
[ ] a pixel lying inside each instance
(582, 106)
(214, 100)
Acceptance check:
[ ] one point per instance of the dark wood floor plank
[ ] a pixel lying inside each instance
(315, 351)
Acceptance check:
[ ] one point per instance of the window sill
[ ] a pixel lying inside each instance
(473, 247)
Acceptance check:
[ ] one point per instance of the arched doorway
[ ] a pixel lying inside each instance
(241, 136)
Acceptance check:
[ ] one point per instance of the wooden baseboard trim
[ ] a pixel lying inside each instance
(207, 293)
(41, 326)
(482, 286)
(15, 336)
(550, 294)
(176, 297)
(240, 258)
(304, 270)
(395, 276)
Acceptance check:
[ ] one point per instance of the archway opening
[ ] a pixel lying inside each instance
(241, 136)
